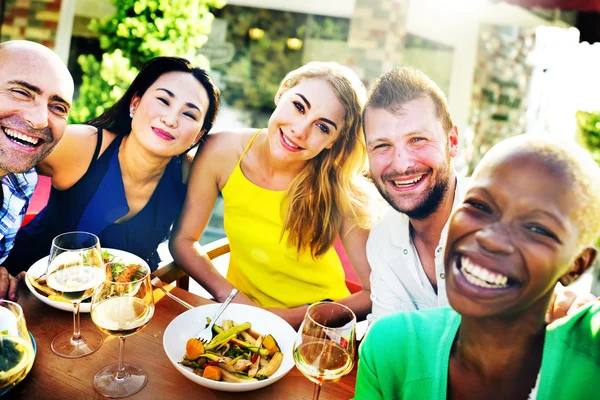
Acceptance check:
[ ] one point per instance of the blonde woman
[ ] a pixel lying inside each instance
(289, 190)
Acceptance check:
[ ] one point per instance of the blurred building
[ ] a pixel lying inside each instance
(506, 66)
(442, 38)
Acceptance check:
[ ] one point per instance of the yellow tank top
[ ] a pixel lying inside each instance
(261, 265)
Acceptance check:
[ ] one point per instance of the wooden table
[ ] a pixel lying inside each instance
(54, 377)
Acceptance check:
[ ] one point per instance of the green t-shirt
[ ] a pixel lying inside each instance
(406, 356)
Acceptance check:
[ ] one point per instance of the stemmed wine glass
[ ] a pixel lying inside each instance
(122, 307)
(16, 348)
(75, 267)
(324, 349)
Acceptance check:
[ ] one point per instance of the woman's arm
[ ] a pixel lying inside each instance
(354, 240)
(203, 187)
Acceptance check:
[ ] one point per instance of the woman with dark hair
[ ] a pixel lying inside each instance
(123, 175)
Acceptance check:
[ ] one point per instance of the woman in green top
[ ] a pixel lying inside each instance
(528, 221)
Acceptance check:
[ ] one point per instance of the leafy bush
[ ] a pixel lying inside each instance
(588, 134)
(103, 84)
(140, 30)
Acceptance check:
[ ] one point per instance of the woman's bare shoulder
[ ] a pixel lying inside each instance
(221, 151)
(225, 144)
(75, 144)
(230, 140)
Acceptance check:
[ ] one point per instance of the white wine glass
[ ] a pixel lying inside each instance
(75, 267)
(16, 347)
(324, 349)
(121, 306)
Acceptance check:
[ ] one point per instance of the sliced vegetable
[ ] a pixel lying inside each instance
(212, 372)
(272, 366)
(233, 361)
(248, 338)
(253, 333)
(211, 357)
(213, 345)
(220, 338)
(235, 377)
(215, 327)
(248, 346)
(241, 365)
(270, 344)
(226, 367)
(194, 348)
(255, 365)
(192, 364)
(234, 351)
(227, 325)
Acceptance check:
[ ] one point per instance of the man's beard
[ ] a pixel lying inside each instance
(429, 205)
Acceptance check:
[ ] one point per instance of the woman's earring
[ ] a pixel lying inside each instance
(131, 110)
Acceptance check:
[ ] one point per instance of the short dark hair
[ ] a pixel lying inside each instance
(401, 85)
(116, 119)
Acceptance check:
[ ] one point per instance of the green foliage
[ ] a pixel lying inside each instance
(588, 135)
(144, 29)
(139, 31)
(589, 132)
(103, 84)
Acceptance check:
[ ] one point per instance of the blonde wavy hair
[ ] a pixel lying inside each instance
(331, 186)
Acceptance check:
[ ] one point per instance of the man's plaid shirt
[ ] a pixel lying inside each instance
(17, 190)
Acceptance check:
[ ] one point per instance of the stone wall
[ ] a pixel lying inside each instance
(500, 88)
(377, 37)
(35, 20)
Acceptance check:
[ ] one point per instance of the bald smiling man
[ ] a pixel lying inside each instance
(36, 91)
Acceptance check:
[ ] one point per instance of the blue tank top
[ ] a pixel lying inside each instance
(94, 203)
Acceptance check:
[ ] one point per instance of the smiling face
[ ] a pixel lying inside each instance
(307, 120)
(512, 239)
(410, 156)
(168, 118)
(36, 91)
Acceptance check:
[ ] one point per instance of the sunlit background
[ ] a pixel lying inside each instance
(507, 67)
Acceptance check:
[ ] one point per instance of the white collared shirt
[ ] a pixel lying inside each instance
(398, 281)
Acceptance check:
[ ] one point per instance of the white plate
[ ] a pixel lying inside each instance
(39, 268)
(191, 322)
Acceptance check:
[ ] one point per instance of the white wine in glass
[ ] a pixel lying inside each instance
(324, 350)
(75, 267)
(122, 307)
(16, 348)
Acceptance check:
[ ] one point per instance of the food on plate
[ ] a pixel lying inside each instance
(235, 354)
(116, 271)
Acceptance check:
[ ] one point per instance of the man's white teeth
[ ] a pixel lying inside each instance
(20, 136)
(289, 143)
(480, 276)
(407, 183)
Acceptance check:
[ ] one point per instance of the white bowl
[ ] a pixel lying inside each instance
(191, 322)
(39, 268)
